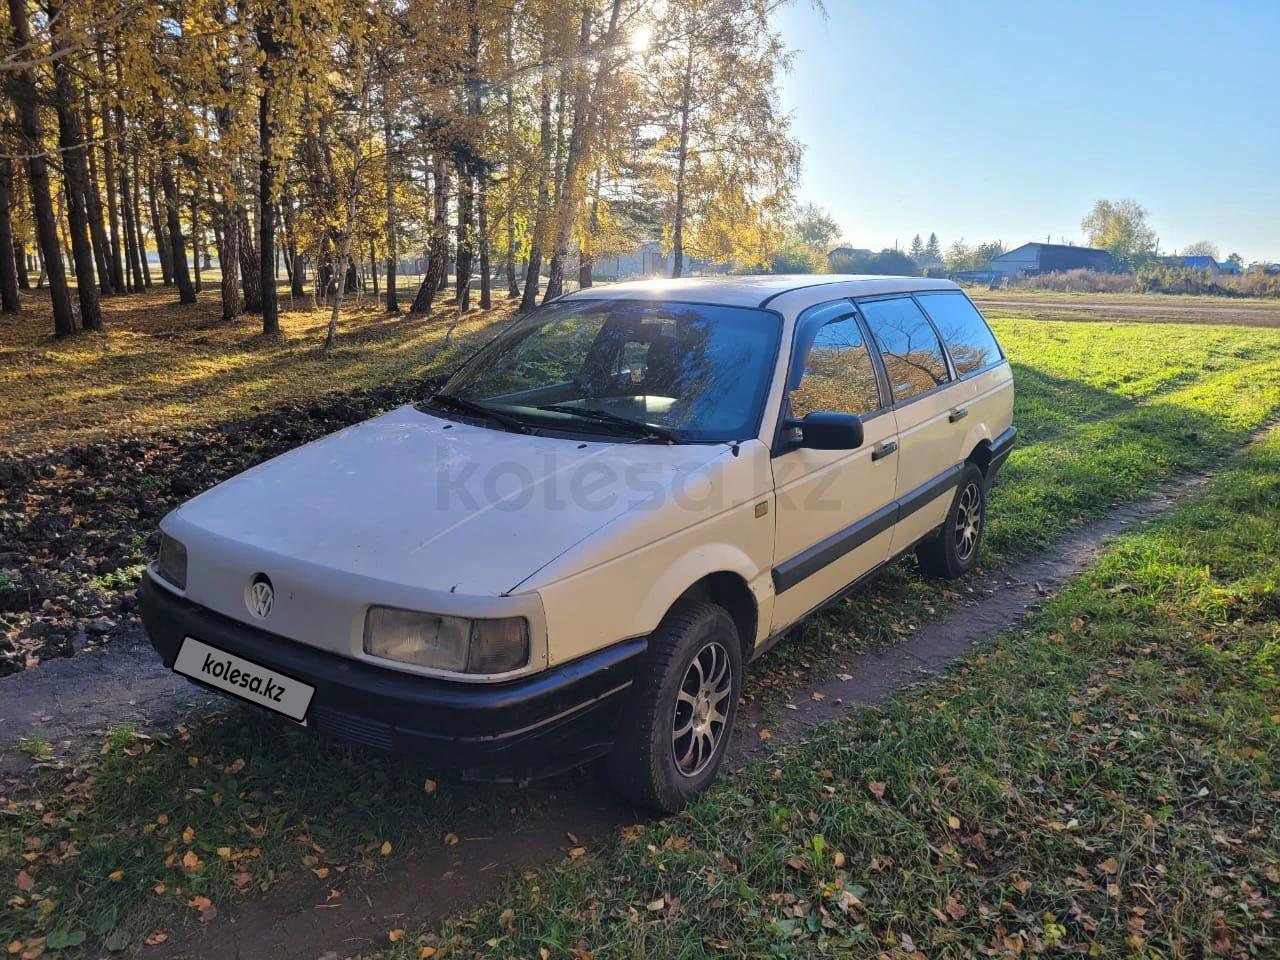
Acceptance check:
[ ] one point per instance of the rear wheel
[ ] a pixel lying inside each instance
(953, 550)
(679, 717)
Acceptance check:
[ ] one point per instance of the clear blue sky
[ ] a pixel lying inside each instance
(1007, 120)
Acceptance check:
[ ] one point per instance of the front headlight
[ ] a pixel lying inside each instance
(456, 644)
(172, 563)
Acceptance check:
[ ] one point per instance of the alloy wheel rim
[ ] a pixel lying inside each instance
(702, 709)
(968, 521)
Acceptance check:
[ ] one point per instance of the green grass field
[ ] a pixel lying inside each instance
(1100, 783)
(137, 838)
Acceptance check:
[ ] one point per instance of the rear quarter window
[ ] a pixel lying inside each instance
(969, 340)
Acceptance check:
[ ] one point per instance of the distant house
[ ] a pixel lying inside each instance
(847, 253)
(1206, 264)
(1230, 267)
(1035, 258)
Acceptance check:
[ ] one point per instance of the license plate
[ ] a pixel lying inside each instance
(244, 679)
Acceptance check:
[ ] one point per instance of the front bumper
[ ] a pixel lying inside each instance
(521, 729)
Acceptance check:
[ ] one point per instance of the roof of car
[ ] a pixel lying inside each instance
(756, 291)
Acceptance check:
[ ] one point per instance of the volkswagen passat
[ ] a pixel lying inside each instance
(571, 549)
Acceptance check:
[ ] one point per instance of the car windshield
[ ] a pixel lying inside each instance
(686, 371)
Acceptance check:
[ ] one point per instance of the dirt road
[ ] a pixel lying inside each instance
(1129, 306)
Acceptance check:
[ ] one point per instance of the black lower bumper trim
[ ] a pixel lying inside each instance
(520, 729)
(1001, 447)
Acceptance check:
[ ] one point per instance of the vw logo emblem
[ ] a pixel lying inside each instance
(260, 596)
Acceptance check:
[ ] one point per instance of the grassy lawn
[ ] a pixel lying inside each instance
(1102, 782)
(123, 843)
(161, 367)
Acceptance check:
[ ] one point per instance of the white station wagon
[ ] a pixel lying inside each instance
(574, 546)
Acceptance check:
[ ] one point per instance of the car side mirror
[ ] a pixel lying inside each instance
(827, 430)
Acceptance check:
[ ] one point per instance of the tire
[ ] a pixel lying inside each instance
(692, 673)
(953, 550)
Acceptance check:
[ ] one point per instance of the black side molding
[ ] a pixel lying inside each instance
(790, 572)
(925, 494)
(805, 564)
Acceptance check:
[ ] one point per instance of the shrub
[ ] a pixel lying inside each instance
(1163, 279)
(1082, 281)
(888, 262)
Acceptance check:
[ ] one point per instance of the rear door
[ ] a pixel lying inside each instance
(834, 508)
(982, 398)
(920, 386)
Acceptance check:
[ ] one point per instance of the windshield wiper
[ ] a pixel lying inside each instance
(637, 427)
(480, 410)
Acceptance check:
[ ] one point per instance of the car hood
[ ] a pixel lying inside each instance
(417, 500)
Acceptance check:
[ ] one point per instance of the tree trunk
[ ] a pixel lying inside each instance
(195, 237)
(266, 211)
(513, 285)
(393, 250)
(373, 268)
(332, 333)
(586, 263)
(437, 245)
(164, 252)
(22, 265)
(482, 213)
(177, 249)
(93, 200)
(677, 227)
(10, 301)
(23, 91)
(532, 278)
(555, 269)
(143, 260)
(75, 178)
(466, 235)
(118, 283)
(293, 254)
(250, 281)
(229, 260)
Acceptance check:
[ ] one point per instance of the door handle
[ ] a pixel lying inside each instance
(884, 450)
(958, 414)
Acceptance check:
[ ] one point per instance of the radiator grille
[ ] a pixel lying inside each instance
(369, 733)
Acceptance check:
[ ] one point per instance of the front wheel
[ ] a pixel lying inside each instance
(953, 550)
(679, 716)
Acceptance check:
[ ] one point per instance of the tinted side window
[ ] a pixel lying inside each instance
(913, 356)
(966, 334)
(838, 373)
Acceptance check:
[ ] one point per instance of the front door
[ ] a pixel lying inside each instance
(834, 508)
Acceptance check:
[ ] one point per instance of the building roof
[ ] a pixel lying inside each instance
(755, 291)
(1197, 262)
(1043, 248)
